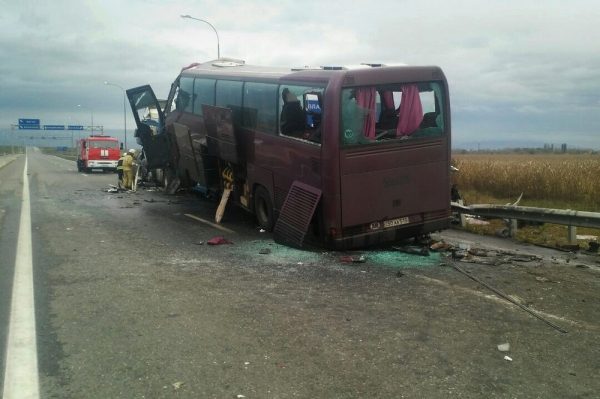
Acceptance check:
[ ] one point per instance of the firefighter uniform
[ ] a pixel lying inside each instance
(120, 170)
(128, 169)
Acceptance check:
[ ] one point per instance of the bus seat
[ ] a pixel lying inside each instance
(429, 120)
(292, 117)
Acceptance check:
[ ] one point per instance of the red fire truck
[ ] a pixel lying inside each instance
(98, 152)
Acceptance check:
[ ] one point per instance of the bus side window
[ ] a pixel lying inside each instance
(300, 112)
(260, 105)
(204, 93)
(229, 95)
(184, 101)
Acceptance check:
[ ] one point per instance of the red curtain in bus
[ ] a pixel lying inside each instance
(365, 98)
(411, 111)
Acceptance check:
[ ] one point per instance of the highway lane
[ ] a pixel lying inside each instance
(80, 233)
(131, 303)
(10, 208)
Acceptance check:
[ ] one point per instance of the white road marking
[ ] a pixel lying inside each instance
(216, 226)
(21, 374)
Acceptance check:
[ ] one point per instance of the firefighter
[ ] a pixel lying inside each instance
(120, 170)
(128, 169)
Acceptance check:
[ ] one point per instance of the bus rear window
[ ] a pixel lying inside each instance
(375, 114)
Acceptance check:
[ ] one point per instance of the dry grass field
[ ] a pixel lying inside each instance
(564, 180)
(561, 181)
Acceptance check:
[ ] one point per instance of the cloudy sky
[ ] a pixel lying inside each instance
(519, 71)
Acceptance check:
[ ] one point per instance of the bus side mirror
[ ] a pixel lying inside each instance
(121, 146)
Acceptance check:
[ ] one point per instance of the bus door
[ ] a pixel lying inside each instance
(150, 121)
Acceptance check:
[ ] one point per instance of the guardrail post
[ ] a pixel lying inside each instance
(513, 228)
(463, 219)
(572, 234)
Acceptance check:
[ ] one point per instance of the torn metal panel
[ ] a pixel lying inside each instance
(296, 214)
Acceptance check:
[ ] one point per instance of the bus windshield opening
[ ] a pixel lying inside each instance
(377, 114)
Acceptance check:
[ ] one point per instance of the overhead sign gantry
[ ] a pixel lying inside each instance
(34, 124)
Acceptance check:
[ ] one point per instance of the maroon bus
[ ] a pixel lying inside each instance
(351, 156)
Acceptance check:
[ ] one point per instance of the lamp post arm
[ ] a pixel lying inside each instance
(211, 25)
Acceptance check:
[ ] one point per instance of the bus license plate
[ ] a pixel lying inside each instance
(395, 222)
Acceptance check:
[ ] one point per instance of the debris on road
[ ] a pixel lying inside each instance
(463, 252)
(440, 246)
(177, 385)
(264, 251)
(112, 189)
(413, 249)
(353, 258)
(508, 358)
(219, 240)
(504, 347)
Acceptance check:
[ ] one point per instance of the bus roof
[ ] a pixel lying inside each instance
(238, 69)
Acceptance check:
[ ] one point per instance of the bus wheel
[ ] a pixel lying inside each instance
(263, 208)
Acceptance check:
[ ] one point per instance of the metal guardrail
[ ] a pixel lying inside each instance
(566, 217)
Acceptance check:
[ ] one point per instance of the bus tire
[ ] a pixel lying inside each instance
(263, 208)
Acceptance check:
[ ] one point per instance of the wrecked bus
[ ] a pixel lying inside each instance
(347, 156)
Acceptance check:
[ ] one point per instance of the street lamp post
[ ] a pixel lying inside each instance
(91, 112)
(211, 25)
(124, 110)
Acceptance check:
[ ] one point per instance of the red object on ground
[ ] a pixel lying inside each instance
(218, 241)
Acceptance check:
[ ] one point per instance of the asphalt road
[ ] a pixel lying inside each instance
(131, 302)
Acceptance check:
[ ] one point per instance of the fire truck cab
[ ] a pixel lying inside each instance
(98, 152)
